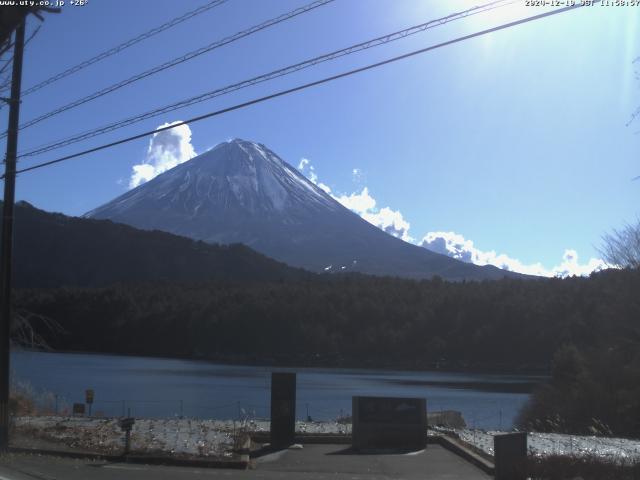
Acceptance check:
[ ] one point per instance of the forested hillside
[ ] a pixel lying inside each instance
(352, 320)
(53, 250)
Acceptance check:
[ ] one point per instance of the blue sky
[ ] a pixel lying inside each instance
(517, 141)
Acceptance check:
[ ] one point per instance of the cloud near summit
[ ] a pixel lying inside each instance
(451, 244)
(385, 218)
(362, 203)
(456, 246)
(172, 147)
(167, 149)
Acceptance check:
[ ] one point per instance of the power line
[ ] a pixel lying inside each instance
(177, 61)
(305, 86)
(268, 76)
(124, 45)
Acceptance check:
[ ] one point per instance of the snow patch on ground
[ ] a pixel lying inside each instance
(176, 436)
(185, 436)
(545, 444)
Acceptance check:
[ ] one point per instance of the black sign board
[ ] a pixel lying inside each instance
(389, 423)
(78, 409)
(126, 424)
(283, 409)
(391, 410)
(510, 455)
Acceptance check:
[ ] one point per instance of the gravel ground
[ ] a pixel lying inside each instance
(215, 438)
(179, 436)
(544, 444)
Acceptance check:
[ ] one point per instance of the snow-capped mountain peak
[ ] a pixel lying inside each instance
(242, 192)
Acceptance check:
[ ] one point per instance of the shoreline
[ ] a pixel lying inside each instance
(540, 373)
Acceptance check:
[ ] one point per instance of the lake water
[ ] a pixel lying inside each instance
(160, 387)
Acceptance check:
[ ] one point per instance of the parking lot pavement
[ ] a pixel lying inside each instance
(431, 464)
(313, 462)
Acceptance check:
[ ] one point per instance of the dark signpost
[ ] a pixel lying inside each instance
(510, 455)
(389, 423)
(88, 398)
(126, 424)
(283, 409)
(78, 409)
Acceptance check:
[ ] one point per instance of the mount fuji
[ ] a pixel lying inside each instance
(242, 192)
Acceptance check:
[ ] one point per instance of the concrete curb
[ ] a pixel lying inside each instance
(66, 454)
(310, 438)
(241, 463)
(461, 450)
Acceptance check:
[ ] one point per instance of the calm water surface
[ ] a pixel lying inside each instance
(159, 387)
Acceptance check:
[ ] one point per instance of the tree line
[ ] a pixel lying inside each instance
(584, 331)
(352, 320)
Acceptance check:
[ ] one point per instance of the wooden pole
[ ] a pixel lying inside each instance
(7, 234)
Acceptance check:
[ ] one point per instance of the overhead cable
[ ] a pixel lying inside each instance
(176, 61)
(304, 86)
(375, 42)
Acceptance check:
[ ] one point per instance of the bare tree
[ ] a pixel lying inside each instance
(29, 329)
(621, 247)
(636, 114)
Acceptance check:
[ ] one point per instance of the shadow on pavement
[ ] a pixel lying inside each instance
(381, 451)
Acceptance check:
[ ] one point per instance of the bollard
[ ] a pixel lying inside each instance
(283, 409)
(89, 395)
(126, 424)
(510, 456)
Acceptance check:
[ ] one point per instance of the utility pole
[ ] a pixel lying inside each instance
(7, 233)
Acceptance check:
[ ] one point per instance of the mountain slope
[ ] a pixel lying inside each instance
(52, 250)
(242, 192)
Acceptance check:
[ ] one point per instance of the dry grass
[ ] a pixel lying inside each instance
(25, 400)
(21, 405)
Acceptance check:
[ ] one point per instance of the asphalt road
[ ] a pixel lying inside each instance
(313, 462)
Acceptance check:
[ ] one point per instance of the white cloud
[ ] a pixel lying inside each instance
(447, 243)
(570, 265)
(308, 171)
(456, 246)
(167, 149)
(360, 203)
(391, 221)
(357, 175)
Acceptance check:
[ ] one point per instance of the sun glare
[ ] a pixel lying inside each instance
(481, 14)
(500, 11)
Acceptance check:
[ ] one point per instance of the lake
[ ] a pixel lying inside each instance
(161, 387)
